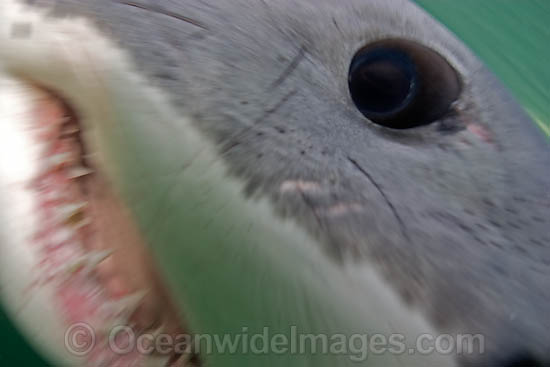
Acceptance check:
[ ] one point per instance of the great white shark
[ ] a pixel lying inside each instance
(224, 168)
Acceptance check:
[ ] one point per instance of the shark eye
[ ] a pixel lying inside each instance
(402, 84)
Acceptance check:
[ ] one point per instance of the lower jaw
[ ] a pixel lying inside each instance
(77, 251)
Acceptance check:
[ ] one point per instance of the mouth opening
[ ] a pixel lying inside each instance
(90, 249)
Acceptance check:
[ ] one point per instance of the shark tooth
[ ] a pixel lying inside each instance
(130, 303)
(122, 309)
(89, 261)
(69, 130)
(73, 207)
(118, 312)
(73, 213)
(95, 258)
(58, 160)
(83, 223)
(62, 235)
(79, 171)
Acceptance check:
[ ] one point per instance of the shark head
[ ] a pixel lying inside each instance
(307, 171)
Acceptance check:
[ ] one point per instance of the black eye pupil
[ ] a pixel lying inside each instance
(382, 81)
(401, 84)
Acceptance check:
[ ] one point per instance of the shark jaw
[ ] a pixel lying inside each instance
(81, 243)
(225, 262)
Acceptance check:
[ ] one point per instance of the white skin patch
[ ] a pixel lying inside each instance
(340, 209)
(300, 186)
(239, 266)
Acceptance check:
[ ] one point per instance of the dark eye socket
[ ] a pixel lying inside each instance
(401, 84)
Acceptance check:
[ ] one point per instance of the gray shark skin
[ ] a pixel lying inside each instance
(454, 215)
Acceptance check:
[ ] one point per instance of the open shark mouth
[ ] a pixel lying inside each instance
(72, 255)
(85, 245)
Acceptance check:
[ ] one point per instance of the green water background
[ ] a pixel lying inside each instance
(511, 36)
